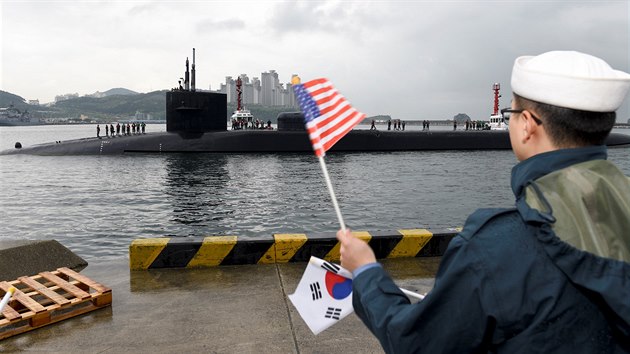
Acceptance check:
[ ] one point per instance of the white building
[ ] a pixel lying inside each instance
(67, 96)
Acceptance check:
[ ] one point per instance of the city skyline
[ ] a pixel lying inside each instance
(265, 90)
(283, 97)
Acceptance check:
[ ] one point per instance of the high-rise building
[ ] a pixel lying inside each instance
(269, 82)
(248, 90)
(266, 91)
(256, 88)
(230, 89)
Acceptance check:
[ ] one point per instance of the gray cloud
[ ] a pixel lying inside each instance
(211, 25)
(307, 16)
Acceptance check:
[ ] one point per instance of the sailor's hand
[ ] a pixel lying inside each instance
(354, 251)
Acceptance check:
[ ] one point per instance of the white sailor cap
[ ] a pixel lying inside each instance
(570, 79)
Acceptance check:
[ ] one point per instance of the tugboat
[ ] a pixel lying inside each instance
(242, 118)
(497, 122)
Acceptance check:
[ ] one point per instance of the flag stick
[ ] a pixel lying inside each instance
(412, 294)
(332, 193)
(6, 298)
(343, 226)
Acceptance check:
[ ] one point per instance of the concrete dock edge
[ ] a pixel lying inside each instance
(175, 252)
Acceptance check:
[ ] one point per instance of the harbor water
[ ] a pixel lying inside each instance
(96, 205)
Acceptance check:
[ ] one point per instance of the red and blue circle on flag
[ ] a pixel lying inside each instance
(338, 287)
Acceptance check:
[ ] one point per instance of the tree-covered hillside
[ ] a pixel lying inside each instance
(119, 91)
(7, 98)
(115, 106)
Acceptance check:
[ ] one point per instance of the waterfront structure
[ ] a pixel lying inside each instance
(497, 122)
(13, 116)
(142, 116)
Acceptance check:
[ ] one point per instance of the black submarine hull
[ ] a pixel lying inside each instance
(195, 123)
(274, 141)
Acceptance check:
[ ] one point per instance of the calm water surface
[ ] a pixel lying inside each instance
(96, 205)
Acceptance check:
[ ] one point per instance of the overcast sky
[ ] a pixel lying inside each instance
(408, 59)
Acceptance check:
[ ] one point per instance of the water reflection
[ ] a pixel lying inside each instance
(247, 195)
(194, 186)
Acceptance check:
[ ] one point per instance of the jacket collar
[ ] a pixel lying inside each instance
(545, 163)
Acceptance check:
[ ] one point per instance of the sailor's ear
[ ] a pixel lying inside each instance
(528, 122)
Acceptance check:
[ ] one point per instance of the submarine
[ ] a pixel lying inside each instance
(282, 140)
(196, 122)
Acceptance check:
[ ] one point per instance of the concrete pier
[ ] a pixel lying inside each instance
(227, 309)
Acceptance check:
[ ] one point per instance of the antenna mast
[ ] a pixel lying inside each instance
(192, 78)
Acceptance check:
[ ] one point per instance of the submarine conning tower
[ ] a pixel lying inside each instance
(191, 111)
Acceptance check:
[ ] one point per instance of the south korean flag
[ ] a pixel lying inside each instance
(324, 294)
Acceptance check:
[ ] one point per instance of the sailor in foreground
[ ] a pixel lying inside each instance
(548, 276)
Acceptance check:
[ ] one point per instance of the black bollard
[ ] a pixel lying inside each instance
(18, 145)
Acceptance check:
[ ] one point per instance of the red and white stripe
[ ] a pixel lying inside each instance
(337, 116)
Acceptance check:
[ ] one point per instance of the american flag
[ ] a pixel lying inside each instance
(329, 116)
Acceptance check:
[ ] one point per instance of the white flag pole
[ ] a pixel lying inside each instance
(343, 226)
(332, 193)
(6, 298)
(412, 294)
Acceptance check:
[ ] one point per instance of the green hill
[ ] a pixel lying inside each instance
(119, 91)
(115, 106)
(7, 98)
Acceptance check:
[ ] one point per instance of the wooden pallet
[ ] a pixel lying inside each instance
(49, 297)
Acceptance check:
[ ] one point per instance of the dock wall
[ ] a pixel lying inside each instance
(151, 253)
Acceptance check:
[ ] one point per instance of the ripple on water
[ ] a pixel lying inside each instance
(96, 205)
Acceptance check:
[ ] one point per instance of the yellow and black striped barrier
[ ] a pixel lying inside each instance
(211, 251)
